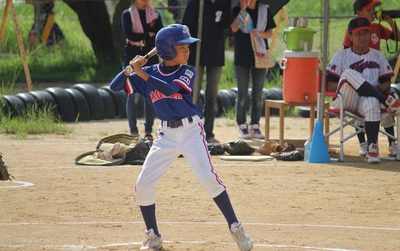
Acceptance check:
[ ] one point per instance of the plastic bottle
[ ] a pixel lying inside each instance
(307, 148)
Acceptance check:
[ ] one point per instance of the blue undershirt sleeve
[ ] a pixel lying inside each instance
(164, 87)
(118, 83)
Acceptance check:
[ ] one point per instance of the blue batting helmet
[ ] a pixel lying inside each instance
(174, 34)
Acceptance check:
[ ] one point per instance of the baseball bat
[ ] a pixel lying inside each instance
(147, 56)
(151, 53)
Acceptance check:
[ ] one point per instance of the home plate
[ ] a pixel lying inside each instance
(246, 158)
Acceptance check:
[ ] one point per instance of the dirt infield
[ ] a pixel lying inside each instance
(53, 204)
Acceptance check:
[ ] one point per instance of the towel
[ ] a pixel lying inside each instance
(262, 58)
(261, 47)
(151, 15)
(262, 17)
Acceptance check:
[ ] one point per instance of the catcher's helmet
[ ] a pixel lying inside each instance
(174, 34)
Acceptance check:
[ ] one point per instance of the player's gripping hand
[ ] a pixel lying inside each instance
(137, 63)
(384, 87)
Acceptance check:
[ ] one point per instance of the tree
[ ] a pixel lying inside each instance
(107, 39)
(118, 35)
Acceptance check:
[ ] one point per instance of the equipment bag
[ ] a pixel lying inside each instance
(116, 150)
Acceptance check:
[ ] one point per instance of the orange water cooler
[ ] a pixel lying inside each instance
(300, 76)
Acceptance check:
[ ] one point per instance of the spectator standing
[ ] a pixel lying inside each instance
(140, 24)
(244, 62)
(362, 74)
(366, 9)
(216, 18)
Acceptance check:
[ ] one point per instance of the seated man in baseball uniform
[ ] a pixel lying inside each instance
(362, 74)
(366, 8)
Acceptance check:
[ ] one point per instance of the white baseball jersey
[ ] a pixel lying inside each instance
(371, 65)
(353, 70)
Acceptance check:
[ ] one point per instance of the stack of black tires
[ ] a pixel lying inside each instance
(81, 102)
(85, 102)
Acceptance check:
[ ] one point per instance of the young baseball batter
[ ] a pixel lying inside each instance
(169, 86)
(362, 74)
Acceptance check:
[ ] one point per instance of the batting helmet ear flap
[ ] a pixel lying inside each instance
(165, 50)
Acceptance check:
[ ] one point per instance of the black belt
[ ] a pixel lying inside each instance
(176, 122)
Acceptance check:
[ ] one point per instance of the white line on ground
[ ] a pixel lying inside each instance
(22, 184)
(83, 247)
(202, 223)
(138, 166)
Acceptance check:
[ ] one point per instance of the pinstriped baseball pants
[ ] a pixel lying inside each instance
(369, 107)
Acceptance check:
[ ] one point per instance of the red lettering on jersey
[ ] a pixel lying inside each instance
(360, 66)
(157, 95)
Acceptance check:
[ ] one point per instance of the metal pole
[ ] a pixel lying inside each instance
(198, 81)
(321, 96)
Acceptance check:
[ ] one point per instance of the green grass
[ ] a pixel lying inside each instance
(73, 61)
(7, 88)
(230, 114)
(228, 79)
(33, 122)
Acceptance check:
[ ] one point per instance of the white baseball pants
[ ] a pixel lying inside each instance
(188, 140)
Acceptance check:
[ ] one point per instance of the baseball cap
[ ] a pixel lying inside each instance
(364, 5)
(360, 23)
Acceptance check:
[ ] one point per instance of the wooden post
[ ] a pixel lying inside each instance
(198, 82)
(282, 16)
(3, 22)
(396, 69)
(19, 38)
